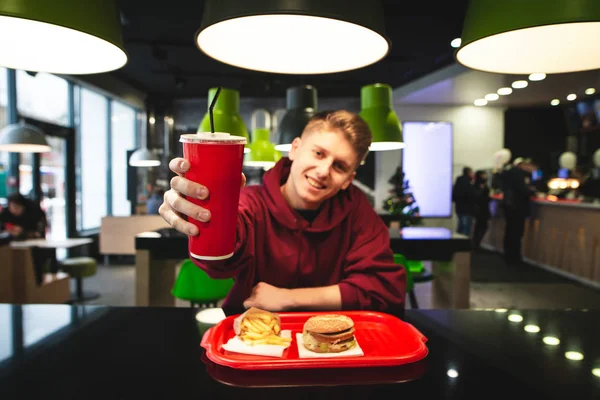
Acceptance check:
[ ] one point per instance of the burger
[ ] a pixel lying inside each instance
(331, 333)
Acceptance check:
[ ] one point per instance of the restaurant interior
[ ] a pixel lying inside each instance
(446, 89)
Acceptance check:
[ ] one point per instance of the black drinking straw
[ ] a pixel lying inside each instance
(210, 110)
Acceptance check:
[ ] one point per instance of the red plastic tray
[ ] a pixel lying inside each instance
(385, 340)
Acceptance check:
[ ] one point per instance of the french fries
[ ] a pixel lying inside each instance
(261, 328)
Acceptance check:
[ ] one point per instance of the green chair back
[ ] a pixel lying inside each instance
(415, 266)
(193, 284)
(399, 259)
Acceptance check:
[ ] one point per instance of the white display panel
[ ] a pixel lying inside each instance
(427, 165)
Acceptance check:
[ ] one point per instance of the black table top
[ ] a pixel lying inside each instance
(428, 243)
(61, 351)
(416, 243)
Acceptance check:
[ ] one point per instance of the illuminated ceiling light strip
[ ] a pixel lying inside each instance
(235, 33)
(455, 43)
(515, 318)
(574, 355)
(532, 328)
(551, 340)
(537, 77)
(512, 36)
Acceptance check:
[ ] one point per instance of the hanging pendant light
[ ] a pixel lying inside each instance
(377, 111)
(308, 37)
(301, 102)
(226, 115)
(263, 153)
(533, 36)
(61, 36)
(144, 157)
(23, 138)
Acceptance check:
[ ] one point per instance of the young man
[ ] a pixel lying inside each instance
(307, 239)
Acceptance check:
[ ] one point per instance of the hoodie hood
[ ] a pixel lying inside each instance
(331, 213)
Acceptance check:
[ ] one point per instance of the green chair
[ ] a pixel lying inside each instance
(415, 273)
(194, 285)
(79, 268)
(400, 260)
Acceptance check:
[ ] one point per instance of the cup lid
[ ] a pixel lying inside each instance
(208, 137)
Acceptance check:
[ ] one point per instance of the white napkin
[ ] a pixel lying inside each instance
(237, 345)
(303, 352)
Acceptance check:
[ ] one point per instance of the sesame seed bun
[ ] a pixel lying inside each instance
(328, 323)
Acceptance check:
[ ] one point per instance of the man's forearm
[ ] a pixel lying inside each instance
(318, 298)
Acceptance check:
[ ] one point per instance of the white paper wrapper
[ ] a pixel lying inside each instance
(237, 345)
(303, 352)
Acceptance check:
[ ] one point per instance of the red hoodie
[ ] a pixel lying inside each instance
(346, 244)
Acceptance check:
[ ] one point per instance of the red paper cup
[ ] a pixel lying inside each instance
(216, 162)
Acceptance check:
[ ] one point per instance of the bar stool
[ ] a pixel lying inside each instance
(79, 268)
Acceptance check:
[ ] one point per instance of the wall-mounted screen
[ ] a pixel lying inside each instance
(427, 164)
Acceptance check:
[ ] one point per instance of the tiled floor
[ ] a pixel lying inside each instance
(493, 285)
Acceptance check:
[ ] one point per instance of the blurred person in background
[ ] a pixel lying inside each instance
(482, 207)
(516, 202)
(23, 218)
(154, 201)
(464, 196)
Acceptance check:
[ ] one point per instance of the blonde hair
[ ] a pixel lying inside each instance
(354, 128)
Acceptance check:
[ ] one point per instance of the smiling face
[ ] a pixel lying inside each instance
(324, 162)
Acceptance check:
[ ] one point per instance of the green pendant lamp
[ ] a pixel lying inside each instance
(377, 111)
(262, 151)
(532, 36)
(301, 104)
(23, 138)
(61, 36)
(310, 37)
(226, 114)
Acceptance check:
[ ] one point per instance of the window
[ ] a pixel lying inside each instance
(43, 96)
(4, 155)
(6, 332)
(122, 139)
(26, 174)
(52, 169)
(92, 157)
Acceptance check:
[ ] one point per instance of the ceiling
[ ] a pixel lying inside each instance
(456, 85)
(164, 61)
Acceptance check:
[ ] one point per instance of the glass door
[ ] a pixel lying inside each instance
(52, 169)
(50, 177)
